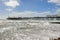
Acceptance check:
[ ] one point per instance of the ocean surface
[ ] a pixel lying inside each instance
(28, 30)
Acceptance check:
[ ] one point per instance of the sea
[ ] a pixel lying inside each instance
(28, 30)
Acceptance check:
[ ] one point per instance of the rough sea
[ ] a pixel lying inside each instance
(28, 30)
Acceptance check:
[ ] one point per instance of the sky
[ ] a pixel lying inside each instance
(28, 8)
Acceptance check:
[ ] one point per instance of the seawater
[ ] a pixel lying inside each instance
(28, 30)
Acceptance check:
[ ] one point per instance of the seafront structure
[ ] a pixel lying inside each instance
(48, 17)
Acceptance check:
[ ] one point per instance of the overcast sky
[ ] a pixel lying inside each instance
(28, 8)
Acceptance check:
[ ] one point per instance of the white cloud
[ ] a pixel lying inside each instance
(3, 16)
(58, 12)
(11, 3)
(25, 14)
(8, 9)
(28, 14)
(55, 1)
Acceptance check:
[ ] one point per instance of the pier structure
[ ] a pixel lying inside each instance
(48, 18)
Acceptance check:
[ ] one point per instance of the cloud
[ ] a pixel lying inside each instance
(3, 16)
(25, 14)
(58, 12)
(11, 3)
(8, 9)
(55, 1)
(28, 14)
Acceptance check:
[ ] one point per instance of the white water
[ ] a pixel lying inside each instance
(28, 30)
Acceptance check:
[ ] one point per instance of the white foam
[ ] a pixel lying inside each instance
(3, 29)
(33, 33)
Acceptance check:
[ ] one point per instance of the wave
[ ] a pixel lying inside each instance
(28, 30)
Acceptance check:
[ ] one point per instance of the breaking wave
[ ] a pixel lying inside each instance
(28, 30)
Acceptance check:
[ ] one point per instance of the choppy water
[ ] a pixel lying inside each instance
(28, 30)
